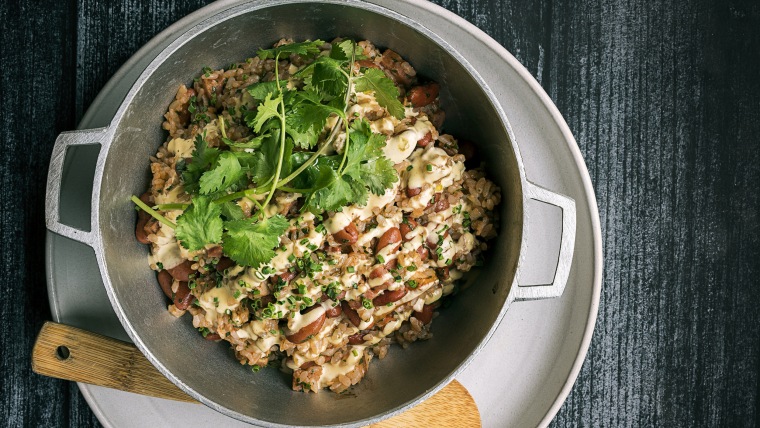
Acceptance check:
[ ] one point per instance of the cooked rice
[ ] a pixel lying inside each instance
(327, 359)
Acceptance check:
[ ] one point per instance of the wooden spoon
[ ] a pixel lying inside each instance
(70, 353)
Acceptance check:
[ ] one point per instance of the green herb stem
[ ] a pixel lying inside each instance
(282, 135)
(221, 127)
(312, 159)
(349, 88)
(169, 207)
(255, 202)
(292, 190)
(152, 212)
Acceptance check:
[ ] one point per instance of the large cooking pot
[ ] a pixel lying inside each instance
(207, 371)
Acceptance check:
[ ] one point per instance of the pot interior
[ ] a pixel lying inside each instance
(209, 369)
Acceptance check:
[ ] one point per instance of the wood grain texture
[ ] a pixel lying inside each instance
(70, 353)
(65, 352)
(664, 100)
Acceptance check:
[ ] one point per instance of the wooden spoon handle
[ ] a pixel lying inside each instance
(70, 353)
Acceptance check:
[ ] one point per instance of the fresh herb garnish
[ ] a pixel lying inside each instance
(250, 242)
(200, 224)
(295, 123)
(367, 303)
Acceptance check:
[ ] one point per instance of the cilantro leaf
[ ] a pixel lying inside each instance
(226, 173)
(316, 177)
(312, 116)
(259, 91)
(386, 93)
(304, 48)
(329, 77)
(203, 157)
(253, 143)
(261, 165)
(343, 50)
(250, 243)
(267, 110)
(340, 192)
(308, 95)
(200, 224)
(232, 211)
(364, 145)
(305, 139)
(306, 121)
(379, 174)
(365, 161)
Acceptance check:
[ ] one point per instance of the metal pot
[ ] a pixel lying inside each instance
(206, 370)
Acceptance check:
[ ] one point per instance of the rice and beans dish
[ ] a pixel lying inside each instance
(313, 219)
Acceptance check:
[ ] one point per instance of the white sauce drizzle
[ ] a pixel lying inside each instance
(181, 147)
(331, 371)
(399, 147)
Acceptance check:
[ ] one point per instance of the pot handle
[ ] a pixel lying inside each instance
(567, 245)
(55, 176)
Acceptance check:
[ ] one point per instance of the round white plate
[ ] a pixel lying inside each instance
(525, 372)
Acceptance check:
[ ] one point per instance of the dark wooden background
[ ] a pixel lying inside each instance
(664, 100)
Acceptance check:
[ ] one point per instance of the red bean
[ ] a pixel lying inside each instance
(140, 234)
(285, 276)
(391, 237)
(303, 334)
(442, 273)
(348, 235)
(165, 280)
(325, 297)
(183, 298)
(441, 202)
(389, 297)
(413, 191)
(334, 312)
(470, 152)
(142, 220)
(406, 227)
(366, 63)
(423, 252)
(356, 339)
(378, 272)
(425, 140)
(437, 118)
(224, 263)
(307, 365)
(423, 95)
(426, 314)
(213, 336)
(467, 148)
(266, 300)
(374, 292)
(351, 314)
(182, 271)
(215, 252)
(432, 240)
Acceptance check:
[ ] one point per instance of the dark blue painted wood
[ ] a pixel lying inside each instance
(664, 100)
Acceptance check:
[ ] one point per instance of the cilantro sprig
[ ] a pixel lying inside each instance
(287, 151)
